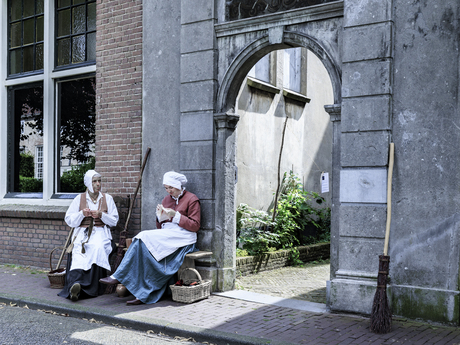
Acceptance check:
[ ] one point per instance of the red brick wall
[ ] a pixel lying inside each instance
(119, 100)
(29, 241)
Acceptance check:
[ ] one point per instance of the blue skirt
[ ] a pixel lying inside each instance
(144, 276)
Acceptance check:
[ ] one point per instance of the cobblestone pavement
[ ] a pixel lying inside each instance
(307, 283)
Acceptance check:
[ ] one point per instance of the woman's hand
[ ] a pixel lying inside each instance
(96, 214)
(170, 212)
(87, 212)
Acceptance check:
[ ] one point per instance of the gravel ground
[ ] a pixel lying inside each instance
(307, 282)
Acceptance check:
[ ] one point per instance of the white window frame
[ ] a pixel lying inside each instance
(292, 69)
(48, 78)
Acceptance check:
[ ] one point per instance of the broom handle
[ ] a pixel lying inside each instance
(390, 178)
(65, 247)
(137, 189)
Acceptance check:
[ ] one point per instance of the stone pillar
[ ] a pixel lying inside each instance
(334, 112)
(224, 235)
(366, 111)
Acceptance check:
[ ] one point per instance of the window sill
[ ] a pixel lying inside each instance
(295, 96)
(33, 211)
(259, 84)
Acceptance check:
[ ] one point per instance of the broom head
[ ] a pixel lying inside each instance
(380, 321)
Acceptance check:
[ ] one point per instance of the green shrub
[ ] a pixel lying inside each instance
(26, 165)
(30, 184)
(73, 180)
(297, 212)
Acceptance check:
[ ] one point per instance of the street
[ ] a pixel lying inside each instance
(22, 326)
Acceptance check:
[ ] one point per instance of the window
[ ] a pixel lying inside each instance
(77, 128)
(49, 105)
(292, 69)
(39, 162)
(261, 69)
(25, 133)
(25, 36)
(75, 32)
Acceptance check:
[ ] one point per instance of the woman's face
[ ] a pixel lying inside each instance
(96, 184)
(172, 191)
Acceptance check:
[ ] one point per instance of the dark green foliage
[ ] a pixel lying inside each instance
(300, 219)
(73, 180)
(26, 165)
(30, 184)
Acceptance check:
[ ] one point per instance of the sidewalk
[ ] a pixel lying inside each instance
(236, 317)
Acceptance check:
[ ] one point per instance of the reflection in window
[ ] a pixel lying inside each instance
(25, 33)
(39, 162)
(292, 69)
(75, 32)
(261, 69)
(77, 132)
(25, 124)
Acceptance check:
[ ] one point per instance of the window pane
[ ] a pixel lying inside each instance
(63, 28)
(39, 56)
(78, 49)
(76, 112)
(63, 3)
(91, 46)
(78, 20)
(29, 31)
(40, 7)
(15, 61)
(76, 2)
(40, 29)
(16, 34)
(28, 56)
(29, 8)
(91, 17)
(16, 10)
(27, 108)
(63, 52)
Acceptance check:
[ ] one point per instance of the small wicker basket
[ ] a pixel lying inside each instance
(190, 294)
(57, 276)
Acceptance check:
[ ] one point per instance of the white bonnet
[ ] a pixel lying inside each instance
(89, 179)
(174, 179)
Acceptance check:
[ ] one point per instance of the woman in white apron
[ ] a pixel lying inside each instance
(156, 255)
(91, 214)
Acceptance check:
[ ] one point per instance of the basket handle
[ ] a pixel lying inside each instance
(195, 271)
(51, 255)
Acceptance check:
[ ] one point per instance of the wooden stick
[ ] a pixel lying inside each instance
(390, 178)
(65, 246)
(137, 189)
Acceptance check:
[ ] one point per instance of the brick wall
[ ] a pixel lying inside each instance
(270, 261)
(119, 100)
(28, 236)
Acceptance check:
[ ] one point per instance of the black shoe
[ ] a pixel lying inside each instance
(108, 281)
(75, 292)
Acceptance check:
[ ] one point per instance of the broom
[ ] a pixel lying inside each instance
(380, 321)
(122, 239)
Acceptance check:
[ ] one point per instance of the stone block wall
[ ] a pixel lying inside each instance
(270, 261)
(119, 98)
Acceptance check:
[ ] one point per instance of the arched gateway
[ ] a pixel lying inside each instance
(240, 45)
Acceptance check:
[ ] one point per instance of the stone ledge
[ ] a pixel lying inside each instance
(33, 211)
(270, 261)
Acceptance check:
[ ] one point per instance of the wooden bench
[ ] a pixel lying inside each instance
(189, 262)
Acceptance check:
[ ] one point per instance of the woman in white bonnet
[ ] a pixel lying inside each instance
(156, 255)
(91, 214)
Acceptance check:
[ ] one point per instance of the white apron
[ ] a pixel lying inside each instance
(165, 241)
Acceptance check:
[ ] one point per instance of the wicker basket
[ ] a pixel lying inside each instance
(57, 276)
(190, 294)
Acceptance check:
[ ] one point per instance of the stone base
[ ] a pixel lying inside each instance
(416, 302)
(354, 296)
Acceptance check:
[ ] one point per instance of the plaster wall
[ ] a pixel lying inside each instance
(307, 149)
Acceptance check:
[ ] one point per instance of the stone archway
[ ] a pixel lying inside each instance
(239, 49)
